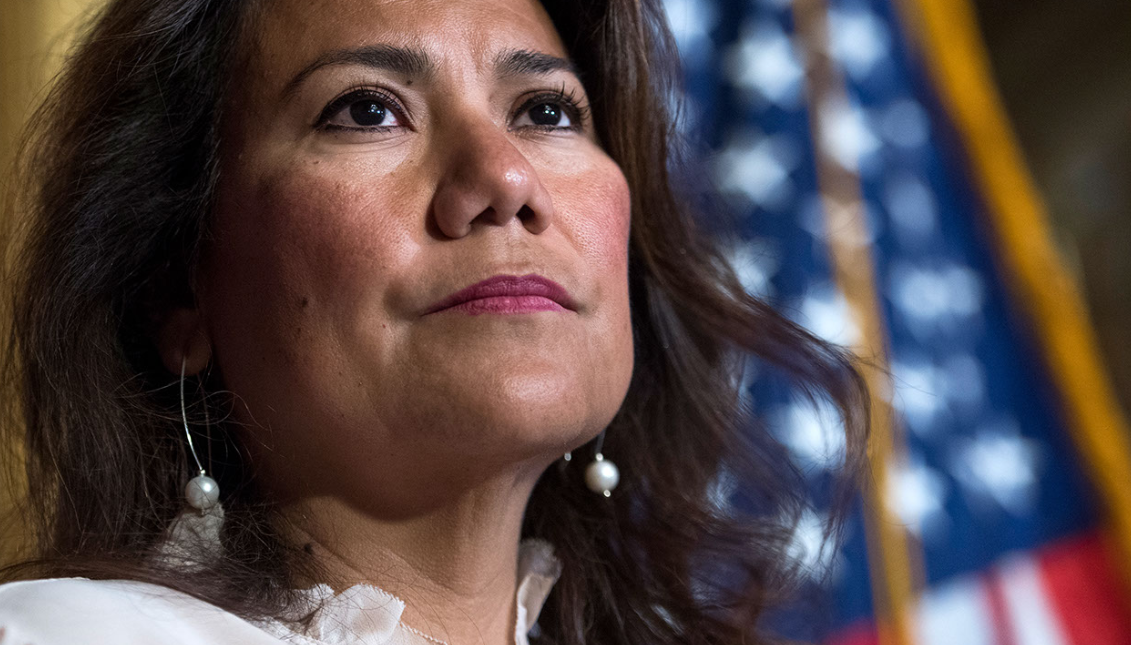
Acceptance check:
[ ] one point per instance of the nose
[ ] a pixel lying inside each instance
(487, 180)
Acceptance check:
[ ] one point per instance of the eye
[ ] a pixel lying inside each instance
(545, 115)
(361, 110)
(549, 112)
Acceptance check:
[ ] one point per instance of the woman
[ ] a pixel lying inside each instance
(390, 261)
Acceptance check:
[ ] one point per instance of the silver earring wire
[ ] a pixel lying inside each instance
(202, 492)
(184, 420)
(602, 475)
(599, 443)
(207, 424)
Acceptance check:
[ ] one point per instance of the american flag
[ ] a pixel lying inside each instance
(1001, 529)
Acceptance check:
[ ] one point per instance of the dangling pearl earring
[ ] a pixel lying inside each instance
(202, 492)
(602, 475)
(194, 536)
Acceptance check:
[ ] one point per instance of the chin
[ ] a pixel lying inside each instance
(523, 417)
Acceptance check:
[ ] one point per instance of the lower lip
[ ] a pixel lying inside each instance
(506, 305)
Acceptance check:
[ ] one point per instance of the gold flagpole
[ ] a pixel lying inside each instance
(949, 41)
(894, 560)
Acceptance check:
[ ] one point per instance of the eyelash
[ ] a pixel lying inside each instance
(575, 109)
(352, 95)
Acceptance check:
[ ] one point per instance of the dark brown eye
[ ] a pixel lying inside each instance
(361, 109)
(368, 112)
(546, 114)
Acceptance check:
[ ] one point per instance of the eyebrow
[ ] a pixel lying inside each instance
(398, 60)
(415, 62)
(523, 62)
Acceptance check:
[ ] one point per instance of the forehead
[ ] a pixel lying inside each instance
(290, 33)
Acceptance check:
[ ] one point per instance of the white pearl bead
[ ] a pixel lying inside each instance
(202, 492)
(602, 476)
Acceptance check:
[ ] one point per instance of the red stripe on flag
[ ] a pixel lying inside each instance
(861, 632)
(1081, 581)
(999, 611)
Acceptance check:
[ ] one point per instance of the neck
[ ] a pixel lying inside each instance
(455, 566)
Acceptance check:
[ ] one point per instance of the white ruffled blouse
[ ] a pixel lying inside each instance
(65, 611)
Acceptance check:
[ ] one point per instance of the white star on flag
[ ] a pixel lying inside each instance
(766, 61)
(998, 464)
(860, 40)
(916, 493)
(758, 168)
(825, 312)
(812, 431)
(809, 548)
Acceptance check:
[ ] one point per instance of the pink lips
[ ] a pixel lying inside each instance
(508, 294)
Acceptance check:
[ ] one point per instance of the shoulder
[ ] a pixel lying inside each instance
(122, 612)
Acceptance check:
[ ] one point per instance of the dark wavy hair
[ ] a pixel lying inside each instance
(119, 175)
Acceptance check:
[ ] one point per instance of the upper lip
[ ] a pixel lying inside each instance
(508, 285)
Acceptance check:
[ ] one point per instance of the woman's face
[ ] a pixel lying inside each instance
(380, 156)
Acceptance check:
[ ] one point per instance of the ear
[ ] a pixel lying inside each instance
(182, 336)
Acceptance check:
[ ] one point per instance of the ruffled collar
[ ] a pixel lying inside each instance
(367, 615)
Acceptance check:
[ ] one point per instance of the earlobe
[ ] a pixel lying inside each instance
(182, 337)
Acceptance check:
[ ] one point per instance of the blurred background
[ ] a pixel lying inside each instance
(1064, 72)
(943, 186)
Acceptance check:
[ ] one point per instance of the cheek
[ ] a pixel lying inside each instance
(298, 256)
(595, 211)
(303, 228)
(332, 226)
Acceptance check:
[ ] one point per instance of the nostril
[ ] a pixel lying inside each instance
(534, 218)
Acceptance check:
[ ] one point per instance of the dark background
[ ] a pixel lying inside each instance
(1064, 72)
